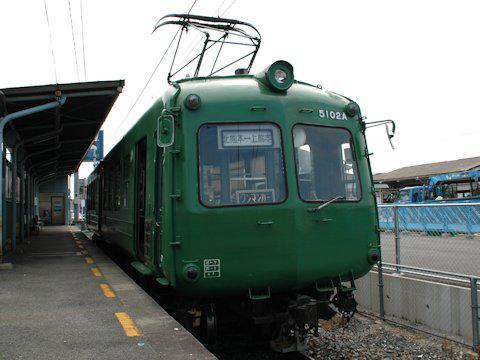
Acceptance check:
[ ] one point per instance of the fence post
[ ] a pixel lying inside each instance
(475, 314)
(380, 289)
(468, 215)
(397, 237)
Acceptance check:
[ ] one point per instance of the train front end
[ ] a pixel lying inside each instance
(270, 197)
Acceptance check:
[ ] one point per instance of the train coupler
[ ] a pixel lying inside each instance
(345, 304)
(300, 318)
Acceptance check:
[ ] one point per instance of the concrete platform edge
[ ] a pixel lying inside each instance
(163, 333)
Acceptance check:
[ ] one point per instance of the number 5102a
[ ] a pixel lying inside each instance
(334, 115)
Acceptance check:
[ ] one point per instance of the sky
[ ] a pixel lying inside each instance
(416, 62)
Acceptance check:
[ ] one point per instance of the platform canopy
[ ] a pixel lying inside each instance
(55, 139)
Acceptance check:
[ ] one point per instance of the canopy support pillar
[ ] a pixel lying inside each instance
(3, 121)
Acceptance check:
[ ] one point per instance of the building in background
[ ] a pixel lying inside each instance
(388, 184)
(54, 207)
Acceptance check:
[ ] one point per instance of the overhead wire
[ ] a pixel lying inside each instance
(73, 38)
(83, 42)
(219, 6)
(199, 40)
(228, 8)
(51, 41)
(153, 73)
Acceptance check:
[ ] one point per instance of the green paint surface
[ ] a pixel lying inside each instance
(298, 249)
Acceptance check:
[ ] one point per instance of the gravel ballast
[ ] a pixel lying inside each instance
(365, 337)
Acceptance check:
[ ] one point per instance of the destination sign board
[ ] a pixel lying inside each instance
(255, 196)
(246, 137)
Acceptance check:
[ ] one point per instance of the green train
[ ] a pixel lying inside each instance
(251, 190)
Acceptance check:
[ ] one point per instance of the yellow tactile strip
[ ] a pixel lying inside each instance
(107, 291)
(96, 271)
(128, 324)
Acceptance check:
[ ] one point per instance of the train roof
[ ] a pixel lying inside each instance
(250, 86)
(232, 88)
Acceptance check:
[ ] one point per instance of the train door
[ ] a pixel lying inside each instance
(158, 198)
(99, 201)
(140, 187)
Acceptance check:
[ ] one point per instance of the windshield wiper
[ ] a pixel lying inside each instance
(320, 207)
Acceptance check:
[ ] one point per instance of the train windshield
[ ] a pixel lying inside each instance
(325, 163)
(241, 164)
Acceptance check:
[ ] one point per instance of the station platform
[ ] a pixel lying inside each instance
(65, 299)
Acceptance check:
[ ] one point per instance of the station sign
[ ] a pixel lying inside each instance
(95, 153)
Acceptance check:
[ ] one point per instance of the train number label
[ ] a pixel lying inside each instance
(330, 114)
(211, 268)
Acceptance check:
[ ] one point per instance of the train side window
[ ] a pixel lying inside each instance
(241, 164)
(126, 180)
(111, 190)
(325, 163)
(117, 191)
(96, 196)
(106, 190)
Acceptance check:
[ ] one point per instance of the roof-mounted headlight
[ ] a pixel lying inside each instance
(278, 76)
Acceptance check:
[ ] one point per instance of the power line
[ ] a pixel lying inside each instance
(219, 6)
(199, 40)
(51, 41)
(153, 73)
(228, 8)
(73, 38)
(83, 42)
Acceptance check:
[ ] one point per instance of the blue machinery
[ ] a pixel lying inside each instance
(443, 185)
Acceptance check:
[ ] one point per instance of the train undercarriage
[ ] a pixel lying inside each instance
(283, 320)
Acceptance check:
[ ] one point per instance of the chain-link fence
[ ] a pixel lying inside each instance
(431, 266)
(443, 237)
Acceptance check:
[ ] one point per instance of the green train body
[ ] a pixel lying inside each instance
(234, 206)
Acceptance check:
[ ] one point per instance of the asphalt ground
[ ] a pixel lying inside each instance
(64, 299)
(458, 254)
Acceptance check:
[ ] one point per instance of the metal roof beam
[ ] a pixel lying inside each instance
(42, 127)
(76, 141)
(20, 98)
(73, 141)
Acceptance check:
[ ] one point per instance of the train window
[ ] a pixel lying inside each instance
(111, 190)
(126, 179)
(105, 191)
(241, 164)
(117, 192)
(325, 163)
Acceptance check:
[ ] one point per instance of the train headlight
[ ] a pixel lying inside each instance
(351, 109)
(373, 256)
(278, 76)
(191, 272)
(193, 102)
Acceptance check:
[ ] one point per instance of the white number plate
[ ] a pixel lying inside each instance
(330, 114)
